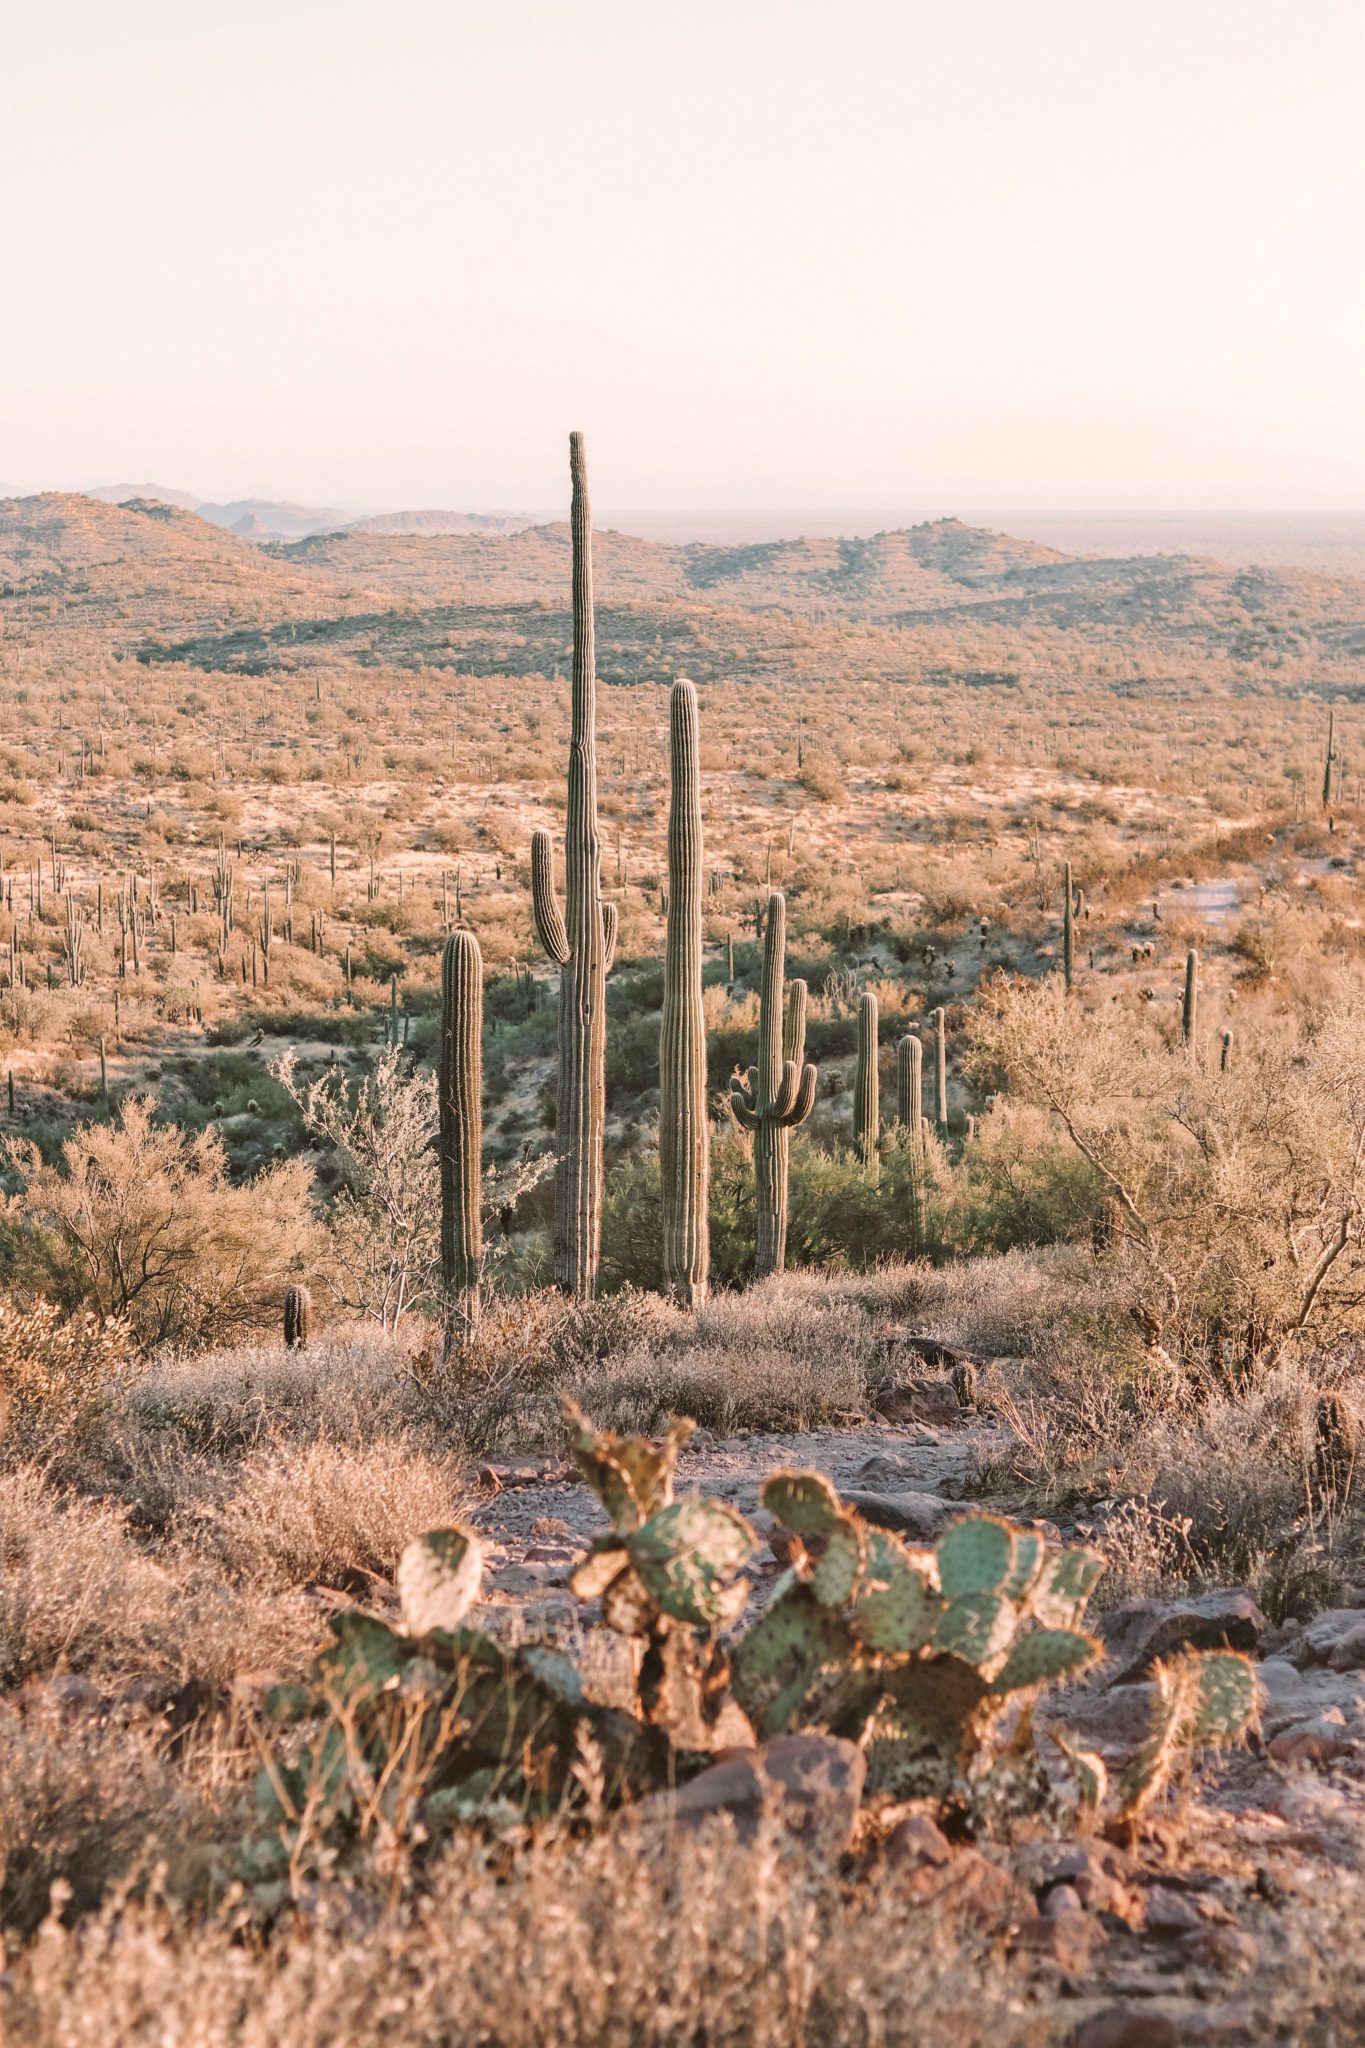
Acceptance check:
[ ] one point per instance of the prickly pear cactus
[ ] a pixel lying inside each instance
(915, 1650)
(1197, 1700)
(439, 1575)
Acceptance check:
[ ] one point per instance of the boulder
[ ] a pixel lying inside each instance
(1137, 1635)
(815, 1782)
(919, 1516)
(931, 1402)
(1127, 2026)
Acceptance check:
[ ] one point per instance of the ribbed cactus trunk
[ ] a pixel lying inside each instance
(580, 941)
(1189, 1007)
(459, 1089)
(684, 1134)
(1068, 930)
(1225, 1054)
(866, 1105)
(298, 1317)
(1330, 762)
(941, 1070)
(779, 1093)
(910, 1115)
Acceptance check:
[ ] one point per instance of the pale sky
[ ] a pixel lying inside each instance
(765, 253)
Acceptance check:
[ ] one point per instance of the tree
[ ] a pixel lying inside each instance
(140, 1220)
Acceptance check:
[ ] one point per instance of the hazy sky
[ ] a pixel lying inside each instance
(766, 253)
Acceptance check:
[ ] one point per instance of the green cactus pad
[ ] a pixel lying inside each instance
(632, 1476)
(799, 1664)
(556, 1675)
(897, 1609)
(1067, 1580)
(836, 1577)
(1227, 1697)
(977, 1627)
(1030, 1555)
(975, 1556)
(938, 1701)
(438, 1579)
(590, 1579)
(685, 1555)
(1045, 1657)
(803, 1502)
(364, 1655)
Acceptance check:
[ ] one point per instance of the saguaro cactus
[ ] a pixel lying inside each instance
(866, 1110)
(580, 939)
(1189, 1007)
(1331, 761)
(909, 1082)
(298, 1317)
(459, 1088)
(779, 1093)
(1068, 929)
(684, 1135)
(941, 1070)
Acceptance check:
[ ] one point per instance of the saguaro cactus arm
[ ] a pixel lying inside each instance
(611, 925)
(545, 907)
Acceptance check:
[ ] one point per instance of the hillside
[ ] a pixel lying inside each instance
(156, 580)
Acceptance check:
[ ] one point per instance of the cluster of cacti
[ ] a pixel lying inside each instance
(866, 1110)
(777, 1095)
(684, 1128)
(580, 940)
(459, 1097)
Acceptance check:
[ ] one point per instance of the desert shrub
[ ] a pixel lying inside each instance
(141, 1222)
(57, 1375)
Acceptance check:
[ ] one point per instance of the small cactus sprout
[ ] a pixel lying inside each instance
(1196, 1700)
(459, 1090)
(778, 1094)
(1225, 1054)
(438, 1579)
(1189, 1007)
(684, 1132)
(866, 1114)
(1068, 929)
(298, 1316)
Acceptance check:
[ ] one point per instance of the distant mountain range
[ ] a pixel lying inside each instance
(263, 519)
(157, 582)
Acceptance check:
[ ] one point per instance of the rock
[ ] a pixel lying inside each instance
(916, 1843)
(889, 1469)
(920, 1516)
(493, 1478)
(1290, 1696)
(1171, 1912)
(933, 1402)
(1224, 1949)
(1323, 1635)
(1114, 1722)
(1097, 1874)
(1137, 1635)
(548, 1550)
(1062, 1899)
(1126, 2026)
(68, 1693)
(937, 1356)
(1312, 1742)
(1349, 1651)
(814, 1781)
(1066, 1940)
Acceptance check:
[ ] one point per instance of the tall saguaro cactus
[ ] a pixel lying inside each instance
(1331, 761)
(1189, 1007)
(684, 1135)
(866, 1109)
(777, 1095)
(941, 1070)
(459, 1093)
(1068, 929)
(580, 940)
(909, 1082)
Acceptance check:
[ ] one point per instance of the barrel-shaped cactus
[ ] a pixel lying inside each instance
(298, 1317)
(580, 940)
(684, 1133)
(779, 1093)
(459, 1089)
(866, 1110)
